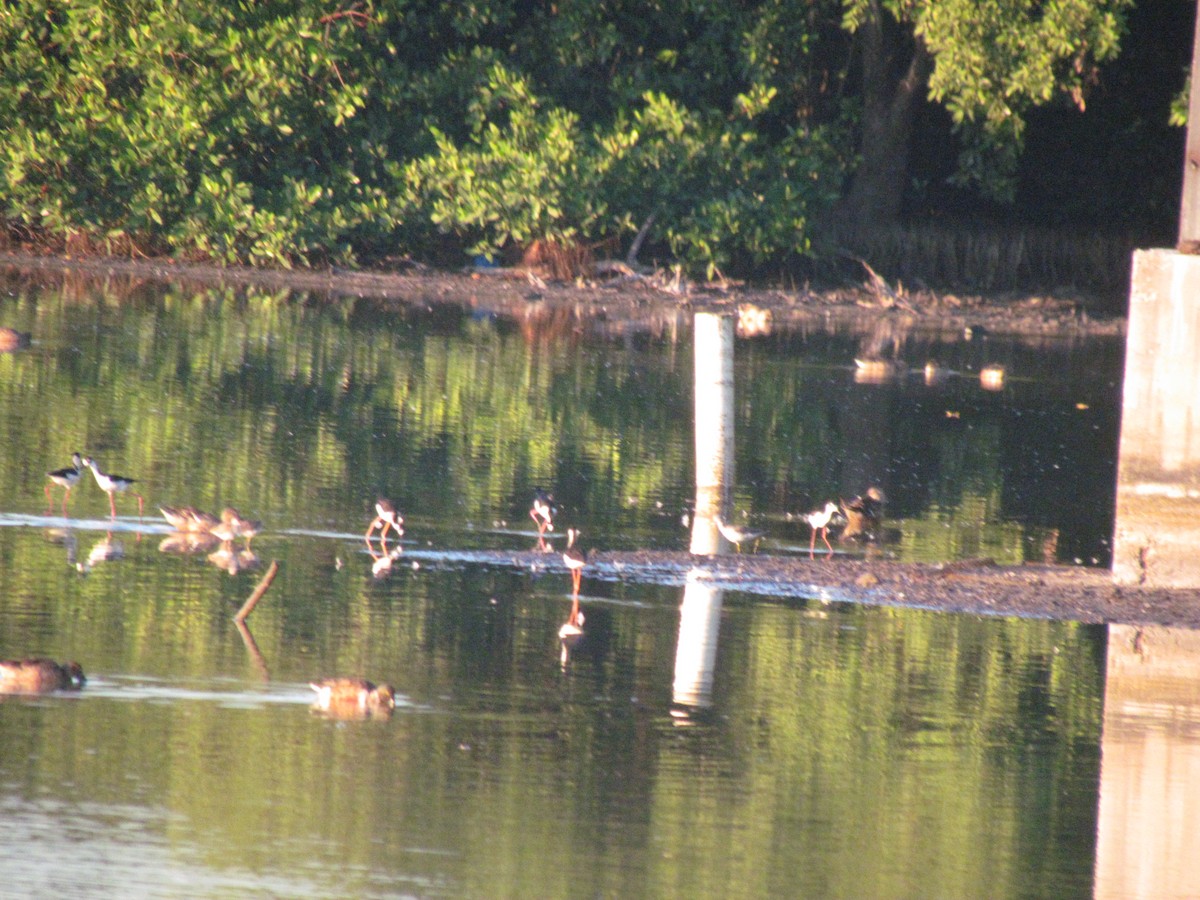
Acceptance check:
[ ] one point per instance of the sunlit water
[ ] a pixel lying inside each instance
(831, 750)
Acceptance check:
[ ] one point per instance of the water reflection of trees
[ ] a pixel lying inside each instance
(292, 404)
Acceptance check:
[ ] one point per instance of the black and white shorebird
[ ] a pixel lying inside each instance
(819, 521)
(66, 478)
(574, 559)
(386, 518)
(113, 485)
(737, 535)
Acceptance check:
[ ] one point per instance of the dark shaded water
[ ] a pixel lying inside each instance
(832, 750)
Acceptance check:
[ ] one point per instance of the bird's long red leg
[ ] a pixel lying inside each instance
(825, 537)
(112, 505)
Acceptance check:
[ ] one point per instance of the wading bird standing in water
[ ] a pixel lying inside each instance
(737, 536)
(66, 479)
(819, 520)
(386, 518)
(574, 559)
(113, 485)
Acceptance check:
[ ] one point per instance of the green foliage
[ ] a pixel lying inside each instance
(522, 174)
(717, 187)
(994, 59)
(1179, 105)
(299, 133)
(200, 128)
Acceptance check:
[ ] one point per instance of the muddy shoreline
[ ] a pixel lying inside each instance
(977, 587)
(981, 587)
(636, 302)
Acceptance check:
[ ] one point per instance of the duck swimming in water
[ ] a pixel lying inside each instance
(346, 698)
(39, 675)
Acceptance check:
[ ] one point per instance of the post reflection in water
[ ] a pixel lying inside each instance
(700, 611)
(1148, 844)
(696, 648)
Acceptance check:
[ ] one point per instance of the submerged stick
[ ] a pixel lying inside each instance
(252, 648)
(253, 599)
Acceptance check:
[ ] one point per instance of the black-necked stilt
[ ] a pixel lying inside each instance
(66, 478)
(819, 520)
(863, 514)
(543, 511)
(113, 485)
(353, 697)
(189, 519)
(574, 559)
(38, 674)
(736, 535)
(386, 518)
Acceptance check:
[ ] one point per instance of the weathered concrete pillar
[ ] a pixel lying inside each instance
(1157, 540)
(1147, 842)
(714, 426)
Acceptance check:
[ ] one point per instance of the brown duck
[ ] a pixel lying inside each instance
(353, 698)
(39, 675)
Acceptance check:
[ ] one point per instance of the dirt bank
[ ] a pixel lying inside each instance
(632, 300)
(974, 586)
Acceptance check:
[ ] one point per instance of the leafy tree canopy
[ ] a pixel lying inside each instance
(299, 132)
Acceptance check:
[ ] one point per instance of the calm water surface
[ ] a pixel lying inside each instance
(819, 749)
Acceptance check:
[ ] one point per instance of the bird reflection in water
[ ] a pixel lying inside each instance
(65, 537)
(106, 550)
(231, 559)
(570, 635)
(187, 542)
(381, 563)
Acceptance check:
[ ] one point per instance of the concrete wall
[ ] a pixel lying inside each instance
(1157, 540)
(1148, 842)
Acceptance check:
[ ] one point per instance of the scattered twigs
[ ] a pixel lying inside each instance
(253, 599)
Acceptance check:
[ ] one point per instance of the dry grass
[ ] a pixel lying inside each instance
(557, 260)
(997, 259)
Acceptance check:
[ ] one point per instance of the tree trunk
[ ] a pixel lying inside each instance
(890, 94)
